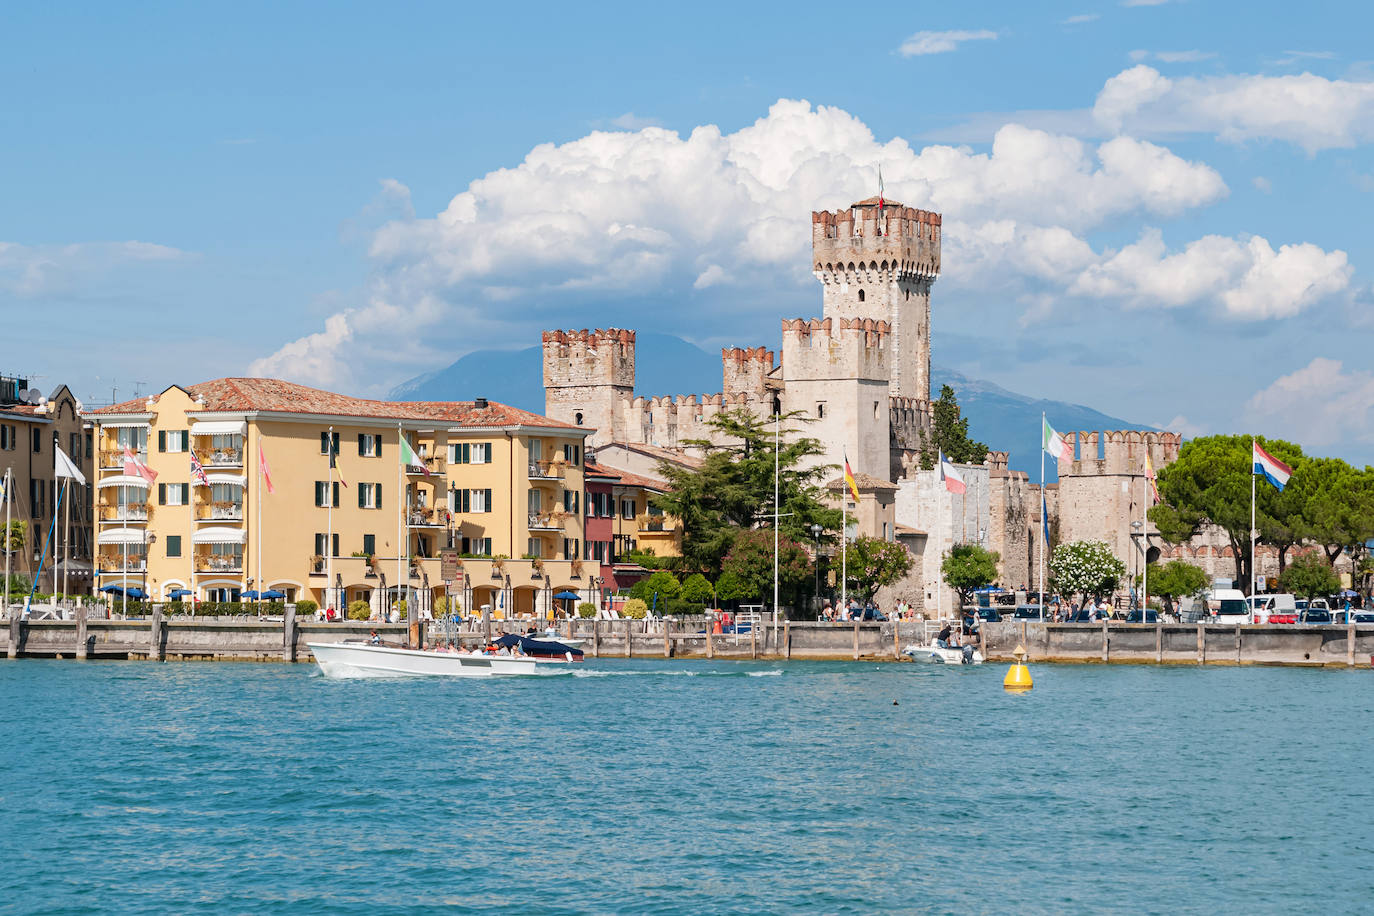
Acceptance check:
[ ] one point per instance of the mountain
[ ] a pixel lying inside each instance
(665, 364)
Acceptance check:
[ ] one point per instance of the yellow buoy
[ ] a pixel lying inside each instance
(1018, 675)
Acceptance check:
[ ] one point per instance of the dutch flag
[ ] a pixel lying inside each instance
(1274, 470)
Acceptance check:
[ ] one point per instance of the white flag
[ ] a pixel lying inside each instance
(63, 467)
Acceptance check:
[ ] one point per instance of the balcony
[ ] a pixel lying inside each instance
(546, 521)
(130, 513)
(547, 469)
(220, 564)
(113, 459)
(221, 457)
(431, 466)
(426, 518)
(220, 512)
(115, 565)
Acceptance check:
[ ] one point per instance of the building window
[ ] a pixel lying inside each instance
(875, 410)
(481, 453)
(37, 440)
(534, 547)
(369, 496)
(627, 509)
(570, 548)
(174, 494)
(578, 417)
(322, 493)
(326, 440)
(820, 410)
(370, 544)
(572, 454)
(173, 542)
(861, 295)
(321, 545)
(173, 440)
(570, 501)
(369, 445)
(469, 453)
(477, 547)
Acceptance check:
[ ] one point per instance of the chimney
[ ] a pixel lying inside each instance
(480, 403)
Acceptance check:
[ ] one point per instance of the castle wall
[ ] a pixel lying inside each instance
(948, 519)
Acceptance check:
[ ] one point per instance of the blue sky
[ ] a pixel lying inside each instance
(1158, 210)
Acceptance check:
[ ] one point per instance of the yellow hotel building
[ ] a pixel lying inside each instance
(502, 486)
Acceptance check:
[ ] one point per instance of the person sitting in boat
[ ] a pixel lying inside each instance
(374, 639)
(942, 638)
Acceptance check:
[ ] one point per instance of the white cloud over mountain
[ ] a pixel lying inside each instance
(718, 223)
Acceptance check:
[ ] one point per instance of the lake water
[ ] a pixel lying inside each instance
(649, 786)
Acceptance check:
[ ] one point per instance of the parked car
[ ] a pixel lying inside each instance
(1361, 615)
(1315, 615)
(1082, 615)
(1228, 605)
(1150, 616)
(1029, 612)
(986, 614)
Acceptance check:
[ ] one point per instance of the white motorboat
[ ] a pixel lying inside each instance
(352, 659)
(936, 654)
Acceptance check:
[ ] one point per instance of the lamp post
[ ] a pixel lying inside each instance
(816, 592)
(1138, 563)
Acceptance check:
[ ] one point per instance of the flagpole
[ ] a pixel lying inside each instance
(844, 553)
(329, 532)
(67, 538)
(257, 485)
(777, 424)
(8, 484)
(1252, 520)
(1145, 541)
(400, 509)
(1044, 522)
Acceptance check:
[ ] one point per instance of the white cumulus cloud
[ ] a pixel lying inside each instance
(1319, 405)
(941, 42)
(1309, 111)
(36, 270)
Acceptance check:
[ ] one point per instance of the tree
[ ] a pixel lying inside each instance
(697, 589)
(873, 563)
(949, 434)
(662, 583)
(732, 490)
(1086, 568)
(1337, 505)
(750, 560)
(968, 567)
(730, 588)
(1176, 579)
(1309, 575)
(635, 609)
(1209, 484)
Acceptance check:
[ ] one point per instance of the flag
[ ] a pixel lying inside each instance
(1044, 518)
(2, 489)
(134, 467)
(198, 472)
(266, 471)
(63, 467)
(334, 466)
(1274, 470)
(881, 201)
(950, 475)
(1150, 476)
(849, 480)
(1051, 441)
(408, 456)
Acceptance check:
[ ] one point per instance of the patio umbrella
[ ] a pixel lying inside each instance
(178, 593)
(567, 596)
(251, 594)
(272, 593)
(137, 594)
(113, 589)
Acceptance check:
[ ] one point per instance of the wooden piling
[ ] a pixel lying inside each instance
(1237, 644)
(787, 639)
(156, 652)
(667, 641)
(81, 633)
(896, 639)
(629, 639)
(710, 640)
(1350, 641)
(15, 614)
(1159, 642)
(1106, 641)
(856, 641)
(1201, 644)
(596, 638)
(288, 634)
(753, 637)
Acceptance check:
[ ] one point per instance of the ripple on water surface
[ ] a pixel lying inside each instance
(686, 787)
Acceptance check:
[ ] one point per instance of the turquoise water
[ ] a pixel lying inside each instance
(648, 786)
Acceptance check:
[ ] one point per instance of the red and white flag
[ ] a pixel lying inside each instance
(198, 472)
(266, 471)
(134, 467)
(950, 475)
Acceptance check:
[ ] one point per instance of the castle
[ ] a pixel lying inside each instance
(860, 373)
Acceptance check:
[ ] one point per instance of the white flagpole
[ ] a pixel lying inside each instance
(257, 485)
(1252, 519)
(777, 421)
(844, 553)
(1044, 522)
(939, 537)
(67, 537)
(1145, 543)
(329, 533)
(401, 545)
(9, 482)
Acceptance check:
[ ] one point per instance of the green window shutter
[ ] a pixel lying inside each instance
(486, 494)
(324, 443)
(361, 504)
(361, 450)
(377, 489)
(162, 440)
(336, 494)
(186, 494)
(336, 546)
(173, 545)
(162, 494)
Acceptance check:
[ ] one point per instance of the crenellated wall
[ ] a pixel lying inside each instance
(588, 375)
(746, 370)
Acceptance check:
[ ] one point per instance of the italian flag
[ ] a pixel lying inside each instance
(1051, 441)
(408, 456)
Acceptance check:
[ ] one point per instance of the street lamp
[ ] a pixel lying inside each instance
(816, 530)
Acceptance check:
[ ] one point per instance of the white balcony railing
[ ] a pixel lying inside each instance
(222, 458)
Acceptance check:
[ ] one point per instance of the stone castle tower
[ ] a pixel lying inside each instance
(589, 378)
(879, 262)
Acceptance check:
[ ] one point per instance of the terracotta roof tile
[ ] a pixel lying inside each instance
(865, 482)
(592, 469)
(628, 479)
(276, 396)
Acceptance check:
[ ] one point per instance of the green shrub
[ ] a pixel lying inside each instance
(359, 610)
(681, 607)
(441, 606)
(307, 606)
(662, 583)
(586, 609)
(401, 609)
(697, 589)
(635, 609)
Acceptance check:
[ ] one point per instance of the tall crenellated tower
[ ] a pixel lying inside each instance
(589, 379)
(835, 372)
(880, 263)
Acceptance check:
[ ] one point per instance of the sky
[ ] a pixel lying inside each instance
(1155, 209)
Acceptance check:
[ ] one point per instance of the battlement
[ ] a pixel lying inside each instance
(845, 348)
(997, 461)
(598, 357)
(745, 370)
(1117, 452)
(900, 243)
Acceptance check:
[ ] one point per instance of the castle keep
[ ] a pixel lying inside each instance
(860, 372)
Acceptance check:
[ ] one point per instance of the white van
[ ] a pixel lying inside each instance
(1228, 605)
(1268, 605)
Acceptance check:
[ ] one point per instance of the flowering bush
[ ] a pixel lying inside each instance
(1086, 568)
